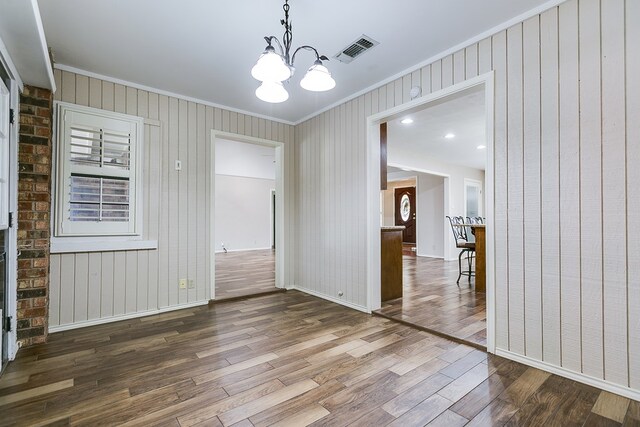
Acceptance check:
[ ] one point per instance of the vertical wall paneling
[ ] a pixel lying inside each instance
(94, 277)
(425, 83)
(406, 88)
(81, 288)
(633, 190)
(82, 90)
(436, 76)
(532, 210)
(95, 93)
(119, 283)
(192, 249)
(550, 184)
(163, 235)
(173, 220)
(202, 177)
(416, 80)
(54, 289)
(108, 96)
(471, 61)
(103, 285)
(614, 209)
(106, 284)
(565, 194)
(120, 98)
(68, 92)
(67, 289)
(499, 61)
(153, 199)
(447, 71)
(130, 282)
(591, 190)
(459, 66)
(515, 183)
(569, 187)
(484, 64)
(183, 198)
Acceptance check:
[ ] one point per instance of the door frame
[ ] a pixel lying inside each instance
(282, 241)
(11, 261)
(373, 192)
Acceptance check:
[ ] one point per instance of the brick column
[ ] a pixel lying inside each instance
(34, 210)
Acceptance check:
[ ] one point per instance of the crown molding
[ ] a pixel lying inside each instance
(63, 67)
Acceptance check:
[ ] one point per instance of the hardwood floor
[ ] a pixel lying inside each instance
(432, 300)
(245, 273)
(285, 359)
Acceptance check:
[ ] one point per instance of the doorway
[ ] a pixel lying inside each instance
(247, 213)
(434, 302)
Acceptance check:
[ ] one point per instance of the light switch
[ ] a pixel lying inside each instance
(178, 165)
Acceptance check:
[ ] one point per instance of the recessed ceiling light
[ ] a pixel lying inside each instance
(481, 147)
(449, 136)
(406, 121)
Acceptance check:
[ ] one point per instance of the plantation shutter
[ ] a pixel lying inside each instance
(98, 162)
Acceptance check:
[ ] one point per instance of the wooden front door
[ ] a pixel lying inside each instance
(405, 212)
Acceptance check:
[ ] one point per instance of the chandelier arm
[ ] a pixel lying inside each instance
(271, 39)
(305, 47)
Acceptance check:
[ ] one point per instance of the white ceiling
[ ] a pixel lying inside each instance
(22, 36)
(461, 114)
(205, 48)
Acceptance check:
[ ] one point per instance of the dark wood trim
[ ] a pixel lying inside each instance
(245, 297)
(431, 331)
(383, 156)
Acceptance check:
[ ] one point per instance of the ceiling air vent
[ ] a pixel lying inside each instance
(356, 49)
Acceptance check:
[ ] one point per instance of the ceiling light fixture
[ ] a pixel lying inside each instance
(481, 147)
(406, 121)
(273, 68)
(449, 136)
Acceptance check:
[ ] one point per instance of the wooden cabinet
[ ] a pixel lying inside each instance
(391, 262)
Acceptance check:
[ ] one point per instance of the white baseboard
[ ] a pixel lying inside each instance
(333, 299)
(103, 320)
(576, 376)
(244, 250)
(429, 256)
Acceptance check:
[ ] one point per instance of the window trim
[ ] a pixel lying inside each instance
(60, 170)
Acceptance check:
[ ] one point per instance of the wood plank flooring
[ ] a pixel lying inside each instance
(245, 273)
(432, 300)
(285, 359)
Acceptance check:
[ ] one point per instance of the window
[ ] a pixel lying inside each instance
(98, 172)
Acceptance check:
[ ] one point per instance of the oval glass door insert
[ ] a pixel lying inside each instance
(405, 208)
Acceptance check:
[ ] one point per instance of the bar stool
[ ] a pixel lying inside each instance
(462, 242)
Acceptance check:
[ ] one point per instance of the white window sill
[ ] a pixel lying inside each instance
(61, 245)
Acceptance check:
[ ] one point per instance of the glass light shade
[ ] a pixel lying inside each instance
(318, 79)
(270, 67)
(272, 92)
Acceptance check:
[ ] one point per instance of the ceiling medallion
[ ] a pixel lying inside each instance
(273, 68)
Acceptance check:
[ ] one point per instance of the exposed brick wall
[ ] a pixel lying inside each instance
(34, 210)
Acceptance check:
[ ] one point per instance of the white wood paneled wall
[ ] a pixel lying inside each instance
(567, 186)
(87, 287)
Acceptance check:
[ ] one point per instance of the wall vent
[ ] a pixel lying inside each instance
(355, 49)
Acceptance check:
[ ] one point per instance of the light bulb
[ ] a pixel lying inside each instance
(318, 78)
(270, 67)
(273, 92)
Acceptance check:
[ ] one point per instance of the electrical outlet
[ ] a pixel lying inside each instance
(192, 284)
(183, 283)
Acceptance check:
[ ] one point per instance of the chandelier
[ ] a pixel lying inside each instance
(273, 68)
